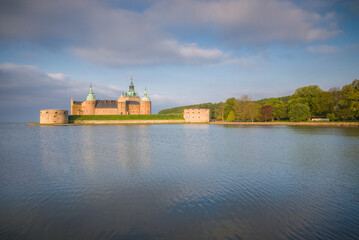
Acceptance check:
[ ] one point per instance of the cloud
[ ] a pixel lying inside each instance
(250, 22)
(322, 49)
(161, 52)
(27, 85)
(107, 33)
(25, 90)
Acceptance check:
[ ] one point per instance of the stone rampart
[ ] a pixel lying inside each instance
(196, 115)
(51, 116)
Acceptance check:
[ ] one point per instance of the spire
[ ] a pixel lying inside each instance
(145, 97)
(90, 96)
(132, 87)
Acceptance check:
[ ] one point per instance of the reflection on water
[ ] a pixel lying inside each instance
(178, 182)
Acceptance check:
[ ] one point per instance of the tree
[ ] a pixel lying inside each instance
(308, 95)
(219, 111)
(350, 99)
(251, 110)
(267, 112)
(229, 106)
(331, 116)
(279, 106)
(337, 96)
(240, 107)
(299, 112)
(230, 117)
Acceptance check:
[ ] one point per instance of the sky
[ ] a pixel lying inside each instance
(183, 51)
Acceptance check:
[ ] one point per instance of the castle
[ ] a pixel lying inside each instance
(128, 104)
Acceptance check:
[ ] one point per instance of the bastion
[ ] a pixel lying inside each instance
(50, 116)
(196, 115)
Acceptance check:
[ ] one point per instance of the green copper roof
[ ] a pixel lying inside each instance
(145, 97)
(90, 97)
(131, 94)
(131, 90)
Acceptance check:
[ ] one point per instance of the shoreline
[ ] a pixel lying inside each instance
(324, 124)
(146, 122)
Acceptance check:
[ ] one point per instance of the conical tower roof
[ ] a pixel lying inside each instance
(145, 98)
(131, 91)
(90, 96)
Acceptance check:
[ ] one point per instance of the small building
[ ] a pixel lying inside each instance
(129, 103)
(318, 119)
(51, 116)
(195, 115)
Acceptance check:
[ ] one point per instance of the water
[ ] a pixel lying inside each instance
(178, 182)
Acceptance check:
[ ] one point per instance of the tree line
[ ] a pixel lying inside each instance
(309, 101)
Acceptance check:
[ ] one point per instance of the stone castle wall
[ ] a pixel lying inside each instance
(145, 107)
(196, 115)
(88, 108)
(49, 116)
(76, 109)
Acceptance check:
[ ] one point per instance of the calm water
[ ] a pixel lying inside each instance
(178, 182)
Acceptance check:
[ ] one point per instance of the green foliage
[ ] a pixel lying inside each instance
(229, 106)
(308, 95)
(350, 99)
(219, 111)
(280, 108)
(331, 116)
(127, 117)
(299, 112)
(343, 103)
(252, 111)
(230, 117)
(267, 112)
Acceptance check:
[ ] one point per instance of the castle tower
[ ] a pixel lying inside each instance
(145, 104)
(131, 91)
(88, 106)
(121, 105)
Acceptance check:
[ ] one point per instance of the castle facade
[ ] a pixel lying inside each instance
(128, 104)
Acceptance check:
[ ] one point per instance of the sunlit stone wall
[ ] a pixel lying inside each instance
(54, 116)
(196, 115)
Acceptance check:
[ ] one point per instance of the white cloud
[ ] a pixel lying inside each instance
(28, 86)
(120, 37)
(24, 90)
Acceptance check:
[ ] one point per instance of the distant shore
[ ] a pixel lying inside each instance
(134, 122)
(326, 124)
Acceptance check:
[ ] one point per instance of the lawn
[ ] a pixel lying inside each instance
(127, 117)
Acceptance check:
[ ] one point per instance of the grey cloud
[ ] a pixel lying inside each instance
(115, 36)
(25, 90)
(246, 21)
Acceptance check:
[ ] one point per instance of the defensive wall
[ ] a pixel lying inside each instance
(195, 115)
(126, 121)
(54, 116)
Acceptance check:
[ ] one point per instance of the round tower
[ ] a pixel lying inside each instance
(50, 116)
(88, 106)
(145, 104)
